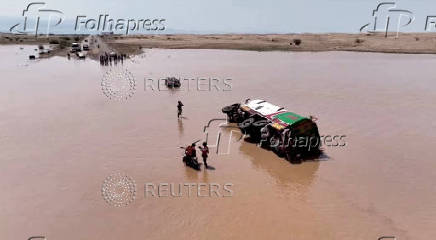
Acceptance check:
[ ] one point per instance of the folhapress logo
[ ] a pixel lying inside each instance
(386, 15)
(37, 19)
(123, 25)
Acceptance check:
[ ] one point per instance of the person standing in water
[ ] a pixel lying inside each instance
(179, 109)
(204, 153)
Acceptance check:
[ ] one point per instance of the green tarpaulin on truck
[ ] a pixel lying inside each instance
(289, 117)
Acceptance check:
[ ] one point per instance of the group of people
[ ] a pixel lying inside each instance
(107, 59)
(190, 151)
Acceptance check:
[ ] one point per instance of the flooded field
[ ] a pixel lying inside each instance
(60, 137)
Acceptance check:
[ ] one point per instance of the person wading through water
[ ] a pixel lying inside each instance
(179, 109)
(191, 153)
(204, 153)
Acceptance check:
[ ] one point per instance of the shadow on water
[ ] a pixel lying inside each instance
(205, 178)
(281, 170)
(191, 173)
(180, 126)
(313, 157)
(194, 174)
(209, 167)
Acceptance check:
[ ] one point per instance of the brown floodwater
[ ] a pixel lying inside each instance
(60, 137)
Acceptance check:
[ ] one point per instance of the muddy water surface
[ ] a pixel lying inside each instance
(60, 137)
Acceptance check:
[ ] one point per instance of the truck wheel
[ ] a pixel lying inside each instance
(246, 125)
(260, 124)
(292, 157)
(237, 118)
(274, 143)
(255, 130)
(265, 143)
(227, 109)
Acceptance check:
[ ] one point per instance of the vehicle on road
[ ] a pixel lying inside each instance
(85, 47)
(273, 127)
(75, 47)
(80, 55)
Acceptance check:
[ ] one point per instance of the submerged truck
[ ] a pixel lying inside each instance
(273, 127)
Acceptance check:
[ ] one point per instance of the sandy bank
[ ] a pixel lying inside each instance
(411, 43)
(406, 43)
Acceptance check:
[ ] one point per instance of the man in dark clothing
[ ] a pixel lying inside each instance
(194, 151)
(179, 109)
(204, 153)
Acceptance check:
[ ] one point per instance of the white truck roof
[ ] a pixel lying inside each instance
(263, 107)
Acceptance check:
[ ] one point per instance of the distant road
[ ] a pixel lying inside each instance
(410, 43)
(97, 46)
